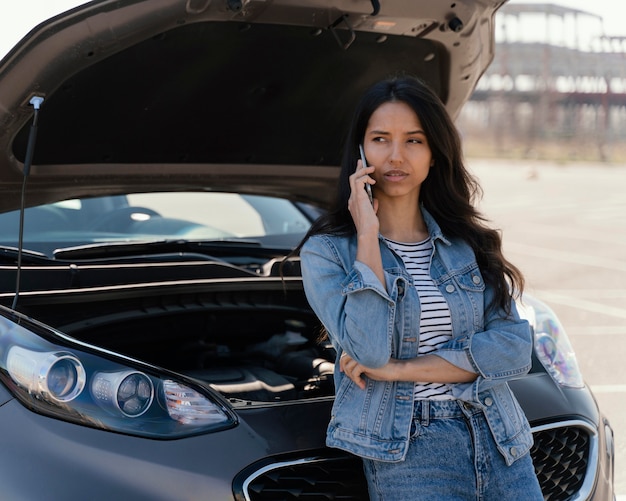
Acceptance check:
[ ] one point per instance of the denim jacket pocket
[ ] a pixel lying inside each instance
(471, 280)
(465, 292)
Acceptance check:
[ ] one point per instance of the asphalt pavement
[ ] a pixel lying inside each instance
(564, 226)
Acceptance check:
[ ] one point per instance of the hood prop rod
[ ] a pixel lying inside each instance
(30, 150)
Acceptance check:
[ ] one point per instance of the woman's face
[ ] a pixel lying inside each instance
(396, 145)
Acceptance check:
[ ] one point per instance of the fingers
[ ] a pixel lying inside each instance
(359, 203)
(352, 369)
(361, 177)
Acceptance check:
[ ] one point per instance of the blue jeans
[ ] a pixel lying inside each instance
(452, 456)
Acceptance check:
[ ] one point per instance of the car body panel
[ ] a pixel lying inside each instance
(111, 466)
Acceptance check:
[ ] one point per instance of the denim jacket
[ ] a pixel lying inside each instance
(373, 323)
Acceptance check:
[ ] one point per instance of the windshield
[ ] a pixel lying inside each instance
(141, 217)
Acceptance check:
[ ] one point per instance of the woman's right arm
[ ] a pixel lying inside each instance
(350, 301)
(366, 222)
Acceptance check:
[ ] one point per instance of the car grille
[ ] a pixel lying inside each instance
(560, 454)
(331, 476)
(561, 457)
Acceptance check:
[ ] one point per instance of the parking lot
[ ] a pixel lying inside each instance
(565, 227)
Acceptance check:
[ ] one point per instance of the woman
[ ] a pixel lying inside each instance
(415, 295)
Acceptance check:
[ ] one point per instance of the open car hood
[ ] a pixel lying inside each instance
(251, 95)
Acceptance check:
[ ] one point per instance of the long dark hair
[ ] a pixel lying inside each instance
(448, 193)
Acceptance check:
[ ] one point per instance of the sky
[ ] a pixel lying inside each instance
(17, 17)
(612, 11)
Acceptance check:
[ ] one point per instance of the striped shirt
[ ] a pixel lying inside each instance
(435, 322)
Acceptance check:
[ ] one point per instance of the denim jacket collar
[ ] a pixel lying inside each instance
(433, 228)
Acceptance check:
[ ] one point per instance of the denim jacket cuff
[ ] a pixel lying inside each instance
(466, 392)
(457, 353)
(362, 277)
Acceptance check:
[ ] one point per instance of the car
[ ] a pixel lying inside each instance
(159, 161)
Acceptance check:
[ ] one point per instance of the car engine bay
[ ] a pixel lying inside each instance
(258, 343)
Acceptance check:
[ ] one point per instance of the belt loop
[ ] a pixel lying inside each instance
(425, 412)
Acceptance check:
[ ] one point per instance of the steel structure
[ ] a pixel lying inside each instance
(556, 77)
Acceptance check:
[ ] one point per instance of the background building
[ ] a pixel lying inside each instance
(556, 89)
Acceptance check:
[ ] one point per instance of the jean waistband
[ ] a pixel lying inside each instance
(425, 410)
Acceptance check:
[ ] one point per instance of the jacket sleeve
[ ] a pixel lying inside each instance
(354, 307)
(500, 352)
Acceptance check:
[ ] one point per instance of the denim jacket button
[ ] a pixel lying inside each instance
(489, 401)
(449, 288)
(513, 451)
(476, 279)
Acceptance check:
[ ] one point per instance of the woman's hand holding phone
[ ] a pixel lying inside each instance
(361, 204)
(363, 208)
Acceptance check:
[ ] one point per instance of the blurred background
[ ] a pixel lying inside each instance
(556, 89)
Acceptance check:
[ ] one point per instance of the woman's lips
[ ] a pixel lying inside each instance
(395, 175)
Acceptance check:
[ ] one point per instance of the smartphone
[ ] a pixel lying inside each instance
(368, 187)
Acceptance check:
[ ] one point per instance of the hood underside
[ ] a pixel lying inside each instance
(253, 96)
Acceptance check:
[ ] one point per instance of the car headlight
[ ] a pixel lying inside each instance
(552, 345)
(65, 379)
(128, 392)
(57, 375)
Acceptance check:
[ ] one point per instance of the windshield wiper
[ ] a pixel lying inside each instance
(11, 255)
(116, 250)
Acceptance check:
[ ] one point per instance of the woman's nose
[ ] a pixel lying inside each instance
(395, 155)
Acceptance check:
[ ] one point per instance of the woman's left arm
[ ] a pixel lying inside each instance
(500, 352)
(425, 368)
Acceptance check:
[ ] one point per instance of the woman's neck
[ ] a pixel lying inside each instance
(402, 222)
